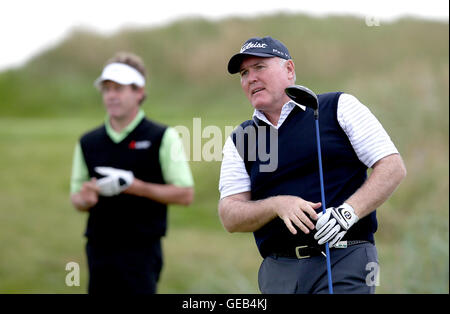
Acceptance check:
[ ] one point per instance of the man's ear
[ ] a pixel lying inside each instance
(141, 92)
(290, 67)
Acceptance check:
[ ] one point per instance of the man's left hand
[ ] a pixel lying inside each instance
(334, 224)
(115, 180)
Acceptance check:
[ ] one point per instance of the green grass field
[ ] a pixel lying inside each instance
(399, 70)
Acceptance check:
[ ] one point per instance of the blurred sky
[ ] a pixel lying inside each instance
(29, 27)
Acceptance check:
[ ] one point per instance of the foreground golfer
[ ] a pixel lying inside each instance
(280, 204)
(124, 174)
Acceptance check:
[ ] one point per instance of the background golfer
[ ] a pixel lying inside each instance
(124, 174)
(280, 207)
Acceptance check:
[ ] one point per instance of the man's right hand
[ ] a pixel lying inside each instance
(87, 197)
(239, 213)
(296, 211)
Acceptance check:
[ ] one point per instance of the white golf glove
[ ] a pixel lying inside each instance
(115, 180)
(333, 225)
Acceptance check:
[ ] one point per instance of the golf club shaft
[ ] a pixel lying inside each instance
(322, 193)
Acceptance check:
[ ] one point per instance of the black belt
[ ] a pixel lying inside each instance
(305, 251)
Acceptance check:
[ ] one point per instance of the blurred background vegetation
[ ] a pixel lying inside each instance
(399, 70)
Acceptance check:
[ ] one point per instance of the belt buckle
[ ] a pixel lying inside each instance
(297, 252)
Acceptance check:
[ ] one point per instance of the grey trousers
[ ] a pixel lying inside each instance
(354, 270)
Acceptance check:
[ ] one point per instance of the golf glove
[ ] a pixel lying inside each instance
(115, 180)
(333, 225)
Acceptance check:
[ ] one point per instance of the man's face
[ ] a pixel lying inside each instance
(263, 81)
(120, 101)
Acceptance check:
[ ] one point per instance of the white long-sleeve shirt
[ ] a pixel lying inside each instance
(366, 134)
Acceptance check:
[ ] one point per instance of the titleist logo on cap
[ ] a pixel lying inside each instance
(252, 45)
(265, 47)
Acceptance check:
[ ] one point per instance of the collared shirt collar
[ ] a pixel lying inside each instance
(285, 111)
(117, 137)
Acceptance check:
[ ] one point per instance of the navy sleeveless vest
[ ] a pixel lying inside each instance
(126, 218)
(297, 169)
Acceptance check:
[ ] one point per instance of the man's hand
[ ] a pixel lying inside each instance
(115, 180)
(239, 213)
(334, 224)
(87, 197)
(295, 211)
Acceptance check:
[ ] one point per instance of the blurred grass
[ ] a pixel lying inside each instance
(399, 70)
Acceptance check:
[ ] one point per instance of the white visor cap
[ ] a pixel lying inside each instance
(120, 73)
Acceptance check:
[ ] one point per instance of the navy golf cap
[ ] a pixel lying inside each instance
(265, 47)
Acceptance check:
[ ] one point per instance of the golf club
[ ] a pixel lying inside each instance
(304, 96)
